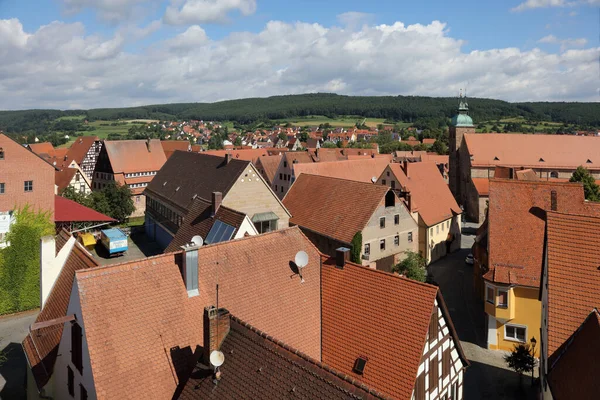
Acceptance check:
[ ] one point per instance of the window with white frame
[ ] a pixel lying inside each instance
(515, 332)
(396, 240)
(410, 238)
(382, 244)
(382, 222)
(367, 248)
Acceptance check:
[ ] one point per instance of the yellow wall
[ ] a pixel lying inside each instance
(525, 309)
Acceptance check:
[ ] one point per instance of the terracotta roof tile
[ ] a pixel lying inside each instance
(431, 196)
(130, 333)
(170, 146)
(516, 221)
(379, 315)
(63, 178)
(244, 155)
(521, 150)
(575, 374)
(199, 220)
(482, 185)
(324, 204)
(41, 346)
(573, 274)
(78, 149)
(361, 170)
(129, 156)
(66, 210)
(269, 164)
(260, 366)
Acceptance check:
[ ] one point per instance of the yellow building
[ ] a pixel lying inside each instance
(432, 206)
(509, 252)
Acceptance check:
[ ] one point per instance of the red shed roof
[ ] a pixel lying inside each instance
(66, 210)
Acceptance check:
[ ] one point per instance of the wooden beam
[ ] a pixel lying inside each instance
(51, 322)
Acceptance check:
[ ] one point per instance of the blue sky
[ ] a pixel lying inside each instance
(95, 53)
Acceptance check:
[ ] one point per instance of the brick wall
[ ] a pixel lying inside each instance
(20, 165)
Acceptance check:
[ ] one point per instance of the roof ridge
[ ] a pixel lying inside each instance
(380, 187)
(522, 182)
(309, 359)
(573, 214)
(389, 274)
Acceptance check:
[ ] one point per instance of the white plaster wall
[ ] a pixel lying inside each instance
(64, 359)
(246, 227)
(51, 264)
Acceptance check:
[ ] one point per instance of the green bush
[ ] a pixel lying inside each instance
(413, 266)
(356, 248)
(20, 262)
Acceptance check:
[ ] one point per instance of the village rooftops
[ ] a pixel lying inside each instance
(430, 195)
(131, 156)
(573, 274)
(381, 317)
(337, 208)
(186, 176)
(516, 226)
(533, 151)
(363, 169)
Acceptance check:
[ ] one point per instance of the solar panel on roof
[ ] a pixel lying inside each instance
(220, 232)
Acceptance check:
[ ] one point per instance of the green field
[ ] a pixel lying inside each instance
(342, 122)
(104, 128)
(538, 126)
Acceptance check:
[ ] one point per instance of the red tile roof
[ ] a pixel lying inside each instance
(428, 141)
(246, 155)
(44, 149)
(431, 196)
(573, 274)
(66, 210)
(382, 316)
(482, 185)
(516, 221)
(324, 204)
(130, 332)
(128, 156)
(63, 178)
(363, 169)
(79, 149)
(574, 375)
(533, 151)
(41, 345)
(269, 164)
(259, 366)
(170, 146)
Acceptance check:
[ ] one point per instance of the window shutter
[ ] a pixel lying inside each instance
(70, 381)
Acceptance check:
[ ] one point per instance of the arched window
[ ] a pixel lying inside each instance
(553, 174)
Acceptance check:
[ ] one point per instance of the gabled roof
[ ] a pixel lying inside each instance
(269, 164)
(44, 150)
(573, 274)
(66, 210)
(141, 326)
(186, 175)
(41, 345)
(381, 316)
(574, 374)
(260, 366)
(170, 146)
(245, 155)
(199, 220)
(361, 170)
(430, 195)
(516, 220)
(333, 207)
(79, 149)
(127, 156)
(482, 185)
(63, 178)
(535, 151)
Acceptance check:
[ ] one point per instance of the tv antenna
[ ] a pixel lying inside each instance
(301, 261)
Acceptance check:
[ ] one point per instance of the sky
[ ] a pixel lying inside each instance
(71, 54)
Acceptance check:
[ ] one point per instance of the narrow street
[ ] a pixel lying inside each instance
(487, 377)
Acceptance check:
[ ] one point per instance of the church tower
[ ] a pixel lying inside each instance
(461, 124)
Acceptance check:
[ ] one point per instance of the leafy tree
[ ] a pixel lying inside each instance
(282, 136)
(20, 262)
(329, 145)
(238, 141)
(413, 266)
(356, 248)
(215, 142)
(72, 194)
(590, 188)
(439, 147)
(521, 359)
(304, 137)
(120, 203)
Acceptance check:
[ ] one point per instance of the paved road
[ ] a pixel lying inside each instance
(487, 377)
(13, 330)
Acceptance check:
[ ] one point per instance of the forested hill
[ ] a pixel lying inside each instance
(397, 108)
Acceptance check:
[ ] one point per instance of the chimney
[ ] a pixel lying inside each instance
(228, 158)
(295, 161)
(148, 145)
(214, 320)
(342, 255)
(217, 199)
(405, 167)
(189, 270)
(553, 200)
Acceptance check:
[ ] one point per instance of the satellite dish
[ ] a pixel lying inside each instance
(197, 240)
(374, 179)
(301, 259)
(217, 358)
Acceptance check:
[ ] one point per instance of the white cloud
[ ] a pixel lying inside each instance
(206, 11)
(108, 10)
(531, 4)
(564, 43)
(59, 66)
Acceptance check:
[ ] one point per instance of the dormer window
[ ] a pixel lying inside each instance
(496, 159)
(541, 160)
(359, 365)
(587, 162)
